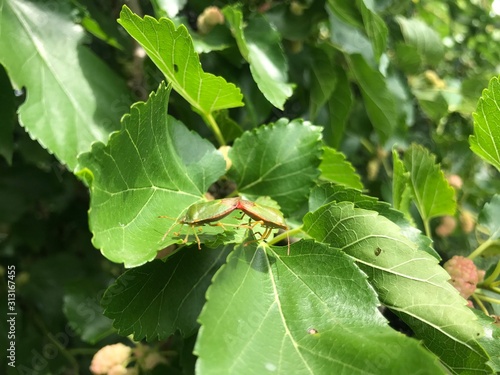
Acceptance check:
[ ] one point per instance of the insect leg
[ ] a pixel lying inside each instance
(198, 240)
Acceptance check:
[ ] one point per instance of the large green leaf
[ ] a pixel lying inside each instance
(326, 193)
(486, 139)
(279, 160)
(408, 281)
(73, 98)
(334, 167)
(171, 49)
(432, 193)
(379, 101)
(268, 313)
(154, 166)
(260, 45)
(158, 298)
(421, 36)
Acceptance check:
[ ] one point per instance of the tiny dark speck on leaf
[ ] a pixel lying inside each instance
(378, 250)
(176, 68)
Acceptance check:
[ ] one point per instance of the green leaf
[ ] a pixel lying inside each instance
(279, 160)
(408, 281)
(379, 102)
(407, 57)
(171, 49)
(83, 311)
(97, 20)
(257, 108)
(271, 313)
(431, 101)
(346, 11)
(73, 98)
(154, 166)
(48, 277)
(433, 104)
(158, 298)
(348, 38)
(374, 26)
(334, 167)
(229, 128)
(323, 80)
(218, 39)
(420, 35)
(339, 106)
(349, 19)
(486, 139)
(491, 343)
(293, 25)
(260, 45)
(401, 191)
(169, 8)
(93, 27)
(433, 195)
(326, 193)
(471, 89)
(8, 111)
(489, 217)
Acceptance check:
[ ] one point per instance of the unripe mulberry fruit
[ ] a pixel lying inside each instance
(210, 17)
(464, 275)
(455, 181)
(447, 226)
(111, 359)
(434, 79)
(467, 222)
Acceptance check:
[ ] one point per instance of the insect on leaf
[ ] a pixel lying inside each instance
(146, 171)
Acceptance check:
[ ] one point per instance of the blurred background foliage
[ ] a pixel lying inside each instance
(438, 58)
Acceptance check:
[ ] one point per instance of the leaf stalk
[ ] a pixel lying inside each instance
(212, 124)
(481, 248)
